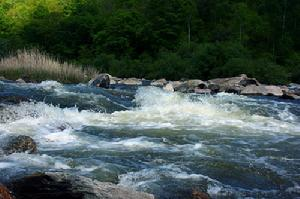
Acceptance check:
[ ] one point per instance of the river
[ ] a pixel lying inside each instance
(163, 143)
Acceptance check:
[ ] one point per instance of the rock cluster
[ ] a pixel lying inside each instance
(101, 80)
(57, 185)
(18, 144)
(239, 85)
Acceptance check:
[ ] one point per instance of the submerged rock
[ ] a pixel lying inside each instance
(262, 90)
(53, 185)
(4, 192)
(19, 144)
(102, 80)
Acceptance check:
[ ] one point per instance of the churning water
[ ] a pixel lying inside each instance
(155, 141)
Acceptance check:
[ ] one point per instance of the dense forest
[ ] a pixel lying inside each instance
(173, 39)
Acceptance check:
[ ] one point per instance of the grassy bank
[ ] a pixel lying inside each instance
(32, 65)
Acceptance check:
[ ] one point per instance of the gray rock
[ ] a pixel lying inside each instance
(21, 81)
(115, 80)
(182, 87)
(160, 82)
(214, 88)
(19, 144)
(189, 86)
(54, 185)
(169, 87)
(262, 90)
(233, 84)
(102, 80)
(131, 81)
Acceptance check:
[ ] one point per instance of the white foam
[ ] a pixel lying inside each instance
(4, 165)
(34, 160)
(50, 85)
(157, 109)
(144, 178)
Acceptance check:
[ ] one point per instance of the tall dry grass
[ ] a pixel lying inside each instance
(32, 65)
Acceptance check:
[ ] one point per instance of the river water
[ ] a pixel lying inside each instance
(168, 144)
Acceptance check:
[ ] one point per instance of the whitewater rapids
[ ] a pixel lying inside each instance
(152, 140)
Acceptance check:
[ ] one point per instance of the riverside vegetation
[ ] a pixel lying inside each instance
(160, 39)
(35, 66)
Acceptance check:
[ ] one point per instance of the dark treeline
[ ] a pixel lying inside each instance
(173, 39)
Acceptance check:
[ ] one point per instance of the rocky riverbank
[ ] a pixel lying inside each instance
(242, 85)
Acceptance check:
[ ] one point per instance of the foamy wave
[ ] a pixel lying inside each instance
(157, 109)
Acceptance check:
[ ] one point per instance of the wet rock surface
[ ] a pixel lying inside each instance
(262, 90)
(130, 81)
(102, 80)
(160, 82)
(18, 144)
(56, 185)
(233, 84)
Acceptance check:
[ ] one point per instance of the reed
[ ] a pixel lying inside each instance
(32, 65)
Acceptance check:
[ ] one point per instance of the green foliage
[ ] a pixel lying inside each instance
(152, 38)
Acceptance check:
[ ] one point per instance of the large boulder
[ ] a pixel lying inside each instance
(232, 84)
(101, 80)
(18, 144)
(262, 90)
(189, 86)
(56, 185)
